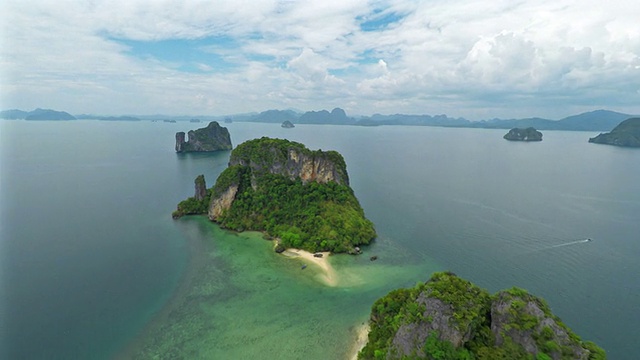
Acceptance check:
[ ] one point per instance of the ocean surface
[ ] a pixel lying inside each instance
(93, 267)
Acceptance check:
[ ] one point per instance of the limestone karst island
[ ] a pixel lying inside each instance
(528, 134)
(451, 318)
(299, 196)
(212, 138)
(626, 134)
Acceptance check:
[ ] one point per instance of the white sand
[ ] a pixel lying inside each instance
(328, 274)
(362, 335)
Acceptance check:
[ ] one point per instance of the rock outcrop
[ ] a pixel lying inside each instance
(212, 138)
(197, 204)
(528, 134)
(201, 188)
(450, 318)
(626, 134)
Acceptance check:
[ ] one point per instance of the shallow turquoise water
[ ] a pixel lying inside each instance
(90, 253)
(245, 301)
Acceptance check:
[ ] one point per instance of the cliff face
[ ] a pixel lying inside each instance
(212, 138)
(626, 134)
(289, 159)
(201, 188)
(222, 202)
(450, 318)
(292, 193)
(279, 157)
(528, 134)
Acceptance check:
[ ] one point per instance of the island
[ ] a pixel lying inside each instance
(450, 318)
(212, 138)
(626, 134)
(47, 114)
(300, 197)
(287, 124)
(528, 134)
(117, 118)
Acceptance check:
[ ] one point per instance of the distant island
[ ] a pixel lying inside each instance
(528, 134)
(598, 120)
(626, 134)
(299, 196)
(37, 114)
(287, 124)
(118, 118)
(211, 138)
(451, 318)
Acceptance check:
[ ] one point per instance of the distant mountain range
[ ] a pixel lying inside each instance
(37, 114)
(107, 118)
(599, 120)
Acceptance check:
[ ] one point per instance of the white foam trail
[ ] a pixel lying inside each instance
(569, 243)
(576, 242)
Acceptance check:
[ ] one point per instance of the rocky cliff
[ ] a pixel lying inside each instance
(212, 138)
(290, 159)
(451, 318)
(292, 193)
(528, 134)
(197, 204)
(626, 134)
(201, 188)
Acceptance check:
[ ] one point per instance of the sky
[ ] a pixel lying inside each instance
(472, 59)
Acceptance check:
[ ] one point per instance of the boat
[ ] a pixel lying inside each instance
(304, 266)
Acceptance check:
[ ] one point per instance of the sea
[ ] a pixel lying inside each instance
(92, 266)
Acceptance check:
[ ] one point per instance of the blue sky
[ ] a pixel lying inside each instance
(464, 58)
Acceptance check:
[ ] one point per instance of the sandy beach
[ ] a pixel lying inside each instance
(328, 275)
(362, 335)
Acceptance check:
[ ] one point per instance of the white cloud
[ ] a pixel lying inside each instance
(466, 58)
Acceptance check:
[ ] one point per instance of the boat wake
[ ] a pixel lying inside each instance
(570, 243)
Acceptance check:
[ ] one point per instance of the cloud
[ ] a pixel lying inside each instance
(466, 58)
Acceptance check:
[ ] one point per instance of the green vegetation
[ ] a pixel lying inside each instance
(444, 350)
(272, 197)
(262, 154)
(627, 134)
(467, 302)
(453, 319)
(312, 216)
(192, 206)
